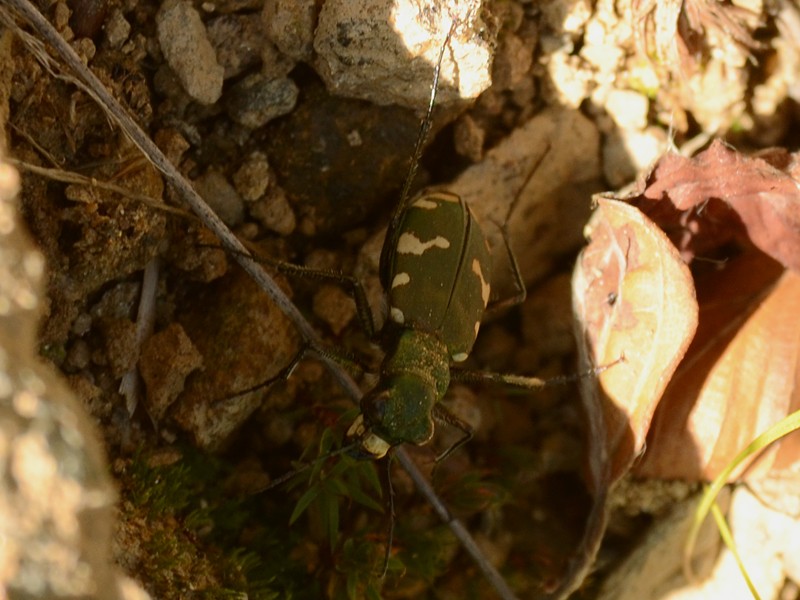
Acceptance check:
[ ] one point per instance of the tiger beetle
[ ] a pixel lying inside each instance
(435, 270)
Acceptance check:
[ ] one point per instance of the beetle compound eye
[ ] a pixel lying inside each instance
(374, 407)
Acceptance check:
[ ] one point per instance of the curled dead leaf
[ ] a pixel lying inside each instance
(720, 195)
(739, 377)
(736, 219)
(633, 298)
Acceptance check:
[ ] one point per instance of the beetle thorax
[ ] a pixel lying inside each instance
(414, 377)
(418, 354)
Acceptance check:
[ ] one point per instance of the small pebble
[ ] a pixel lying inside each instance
(82, 324)
(469, 137)
(512, 63)
(290, 25)
(275, 213)
(628, 109)
(85, 48)
(252, 178)
(237, 40)
(61, 14)
(274, 63)
(167, 359)
(120, 345)
(172, 143)
(627, 153)
(185, 44)
(278, 430)
(117, 29)
(221, 196)
(257, 99)
(78, 356)
(334, 306)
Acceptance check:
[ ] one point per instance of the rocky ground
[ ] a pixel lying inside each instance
(296, 121)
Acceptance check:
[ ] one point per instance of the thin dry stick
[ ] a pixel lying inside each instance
(77, 178)
(30, 14)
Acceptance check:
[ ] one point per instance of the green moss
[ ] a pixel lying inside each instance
(185, 534)
(55, 353)
(323, 535)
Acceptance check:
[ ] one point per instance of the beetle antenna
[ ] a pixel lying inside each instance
(425, 126)
(424, 130)
(496, 307)
(305, 467)
(528, 383)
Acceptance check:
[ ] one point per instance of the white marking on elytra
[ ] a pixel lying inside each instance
(400, 279)
(477, 327)
(397, 315)
(411, 244)
(425, 204)
(485, 287)
(460, 357)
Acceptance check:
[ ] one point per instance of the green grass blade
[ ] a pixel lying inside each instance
(782, 428)
(355, 490)
(330, 518)
(352, 586)
(372, 479)
(727, 537)
(305, 501)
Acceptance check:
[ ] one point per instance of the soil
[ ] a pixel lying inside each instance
(305, 175)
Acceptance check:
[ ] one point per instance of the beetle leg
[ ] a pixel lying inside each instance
(519, 283)
(528, 383)
(347, 361)
(348, 281)
(283, 374)
(442, 414)
(497, 306)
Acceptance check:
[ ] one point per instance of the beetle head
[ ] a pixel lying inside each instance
(393, 414)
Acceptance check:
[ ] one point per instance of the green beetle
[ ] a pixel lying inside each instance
(435, 269)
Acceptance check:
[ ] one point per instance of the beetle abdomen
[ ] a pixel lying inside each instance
(439, 271)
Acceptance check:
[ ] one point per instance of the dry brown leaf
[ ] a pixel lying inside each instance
(739, 377)
(633, 297)
(721, 195)
(740, 374)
